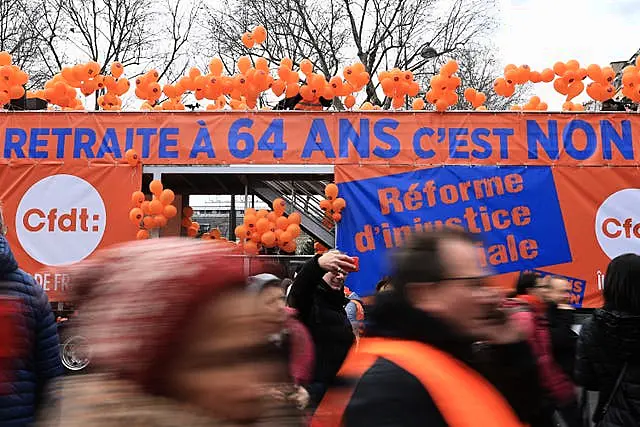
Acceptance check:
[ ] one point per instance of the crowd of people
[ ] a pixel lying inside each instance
(181, 337)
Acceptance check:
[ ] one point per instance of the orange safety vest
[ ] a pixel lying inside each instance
(462, 395)
(309, 106)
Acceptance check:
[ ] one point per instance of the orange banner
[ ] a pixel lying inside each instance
(60, 214)
(390, 138)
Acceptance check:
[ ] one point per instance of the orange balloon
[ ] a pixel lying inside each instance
(294, 230)
(331, 191)
(148, 222)
(574, 89)
(262, 213)
(192, 232)
(186, 222)
(136, 215)
(247, 40)
(259, 34)
(250, 221)
(547, 75)
(117, 69)
(325, 204)
(350, 101)
(155, 187)
(242, 232)
(142, 235)
(337, 217)
(262, 225)
(290, 247)
(131, 156)
(244, 63)
(187, 211)
(137, 197)
(160, 220)
(279, 204)
(339, 204)
(156, 207)
(418, 104)
(272, 217)
(295, 218)
(282, 223)
(306, 67)
(145, 207)
(169, 211)
(285, 238)
(250, 247)
(167, 197)
(268, 239)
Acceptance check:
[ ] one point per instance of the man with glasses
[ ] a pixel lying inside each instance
(439, 350)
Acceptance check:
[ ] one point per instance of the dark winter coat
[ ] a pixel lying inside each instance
(31, 373)
(563, 338)
(387, 395)
(321, 309)
(607, 340)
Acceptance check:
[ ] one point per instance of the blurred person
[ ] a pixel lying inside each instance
(11, 343)
(40, 363)
(438, 349)
(355, 312)
(290, 331)
(318, 296)
(286, 287)
(608, 347)
(530, 314)
(384, 285)
(175, 340)
(560, 317)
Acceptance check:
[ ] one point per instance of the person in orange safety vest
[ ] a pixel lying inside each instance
(438, 351)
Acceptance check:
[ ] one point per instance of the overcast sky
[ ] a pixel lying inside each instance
(541, 32)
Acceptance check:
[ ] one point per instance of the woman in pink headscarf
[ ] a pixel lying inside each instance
(175, 341)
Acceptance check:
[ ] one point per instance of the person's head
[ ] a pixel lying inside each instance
(621, 284)
(440, 273)
(336, 279)
(384, 285)
(527, 284)
(556, 289)
(191, 333)
(270, 295)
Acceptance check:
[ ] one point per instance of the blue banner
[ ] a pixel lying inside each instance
(514, 208)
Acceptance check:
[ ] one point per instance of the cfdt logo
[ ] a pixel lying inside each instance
(618, 223)
(60, 220)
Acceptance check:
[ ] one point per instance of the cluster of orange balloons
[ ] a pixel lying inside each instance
(255, 37)
(570, 78)
(332, 205)
(269, 229)
(443, 87)
(514, 75)
(188, 223)
(534, 104)
(475, 98)
(12, 80)
(631, 81)
(154, 213)
(397, 84)
(148, 88)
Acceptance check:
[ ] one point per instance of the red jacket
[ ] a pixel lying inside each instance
(530, 316)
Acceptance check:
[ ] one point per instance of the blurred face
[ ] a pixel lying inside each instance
(559, 291)
(463, 300)
(272, 300)
(225, 362)
(335, 280)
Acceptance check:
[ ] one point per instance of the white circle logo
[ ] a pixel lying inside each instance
(60, 220)
(618, 223)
